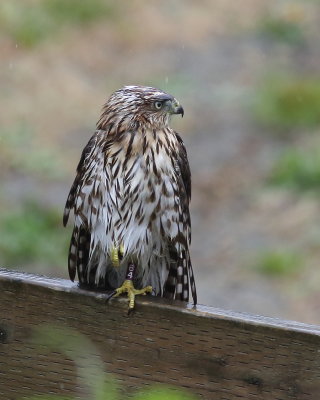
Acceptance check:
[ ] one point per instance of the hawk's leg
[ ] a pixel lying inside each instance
(116, 255)
(128, 288)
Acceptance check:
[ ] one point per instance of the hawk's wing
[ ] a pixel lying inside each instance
(180, 271)
(185, 177)
(184, 166)
(84, 188)
(79, 179)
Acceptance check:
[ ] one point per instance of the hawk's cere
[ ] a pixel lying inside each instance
(131, 199)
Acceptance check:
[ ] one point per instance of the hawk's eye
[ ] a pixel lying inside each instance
(158, 105)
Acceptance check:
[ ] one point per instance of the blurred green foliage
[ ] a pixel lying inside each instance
(28, 22)
(49, 397)
(33, 234)
(158, 392)
(19, 151)
(298, 169)
(91, 372)
(282, 30)
(286, 103)
(277, 262)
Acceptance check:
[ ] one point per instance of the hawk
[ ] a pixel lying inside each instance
(130, 199)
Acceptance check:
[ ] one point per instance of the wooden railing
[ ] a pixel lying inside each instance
(212, 353)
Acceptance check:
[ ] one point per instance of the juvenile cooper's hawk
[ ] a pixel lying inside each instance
(131, 199)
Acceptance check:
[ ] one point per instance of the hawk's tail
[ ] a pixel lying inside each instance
(79, 254)
(179, 277)
(192, 282)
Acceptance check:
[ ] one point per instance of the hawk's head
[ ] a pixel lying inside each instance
(141, 104)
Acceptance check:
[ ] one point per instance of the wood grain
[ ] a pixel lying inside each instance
(212, 353)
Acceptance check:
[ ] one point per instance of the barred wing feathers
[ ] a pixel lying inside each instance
(83, 198)
(180, 271)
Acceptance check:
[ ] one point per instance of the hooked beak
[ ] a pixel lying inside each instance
(176, 108)
(180, 110)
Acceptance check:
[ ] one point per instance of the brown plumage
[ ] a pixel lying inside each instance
(131, 198)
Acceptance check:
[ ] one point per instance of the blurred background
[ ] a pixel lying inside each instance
(247, 74)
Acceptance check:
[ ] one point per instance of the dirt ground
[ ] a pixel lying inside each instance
(211, 56)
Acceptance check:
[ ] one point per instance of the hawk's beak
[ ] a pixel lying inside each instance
(177, 109)
(180, 110)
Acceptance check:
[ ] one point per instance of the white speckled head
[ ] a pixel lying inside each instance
(140, 103)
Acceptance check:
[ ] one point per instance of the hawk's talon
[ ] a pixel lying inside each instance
(128, 288)
(130, 311)
(109, 296)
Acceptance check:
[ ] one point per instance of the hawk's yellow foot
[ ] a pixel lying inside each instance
(127, 287)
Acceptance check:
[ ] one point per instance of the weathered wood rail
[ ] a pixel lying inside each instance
(212, 353)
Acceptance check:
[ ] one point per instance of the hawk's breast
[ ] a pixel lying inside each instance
(142, 194)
